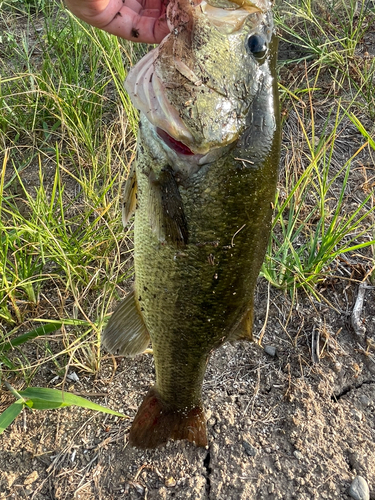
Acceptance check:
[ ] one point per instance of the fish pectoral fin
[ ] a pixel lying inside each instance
(166, 211)
(126, 333)
(129, 197)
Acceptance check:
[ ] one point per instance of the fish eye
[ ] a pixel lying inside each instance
(257, 46)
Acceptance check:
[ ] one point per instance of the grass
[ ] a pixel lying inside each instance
(67, 135)
(37, 398)
(328, 31)
(312, 226)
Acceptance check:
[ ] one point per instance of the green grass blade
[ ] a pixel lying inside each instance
(7, 362)
(64, 398)
(360, 128)
(10, 414)
(37, 332)
(42, 404)
(50, 327)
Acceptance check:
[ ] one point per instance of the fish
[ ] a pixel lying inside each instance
(202, 188)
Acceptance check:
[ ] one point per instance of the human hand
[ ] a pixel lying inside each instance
(136, 20)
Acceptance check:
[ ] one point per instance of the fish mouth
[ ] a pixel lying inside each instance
(150, 93)
(182, 152)
(227, 15)
(177, 146)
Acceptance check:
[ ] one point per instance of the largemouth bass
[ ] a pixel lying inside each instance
(202, 188)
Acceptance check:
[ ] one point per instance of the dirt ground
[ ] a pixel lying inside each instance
(280, 426)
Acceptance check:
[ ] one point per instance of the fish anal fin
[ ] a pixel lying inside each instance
(166, 211)
(126, 334)
(129, 197)
(155, 424)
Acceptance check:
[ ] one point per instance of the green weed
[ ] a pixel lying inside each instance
(37, 398)
(312, 225)
(333, 37)
(68, 144)
(329, 32)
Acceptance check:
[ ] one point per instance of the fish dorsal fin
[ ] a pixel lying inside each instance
(166, 211)
(129, 197)
(126, 334)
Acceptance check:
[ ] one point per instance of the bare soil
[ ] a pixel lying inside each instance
(279, 427)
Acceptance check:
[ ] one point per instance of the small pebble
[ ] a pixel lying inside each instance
(298, 455)
(73, 377)
(357, 415)
(364, 401)
(269, 349)
(139, 488)
(31, 478)
(359, 489)
(249, 449)
(170, 482)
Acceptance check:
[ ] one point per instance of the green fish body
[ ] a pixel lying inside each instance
(202, 188)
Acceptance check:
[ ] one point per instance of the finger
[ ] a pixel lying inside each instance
(139, 21)
(147, 26)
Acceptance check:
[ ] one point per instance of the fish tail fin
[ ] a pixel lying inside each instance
(155, 424)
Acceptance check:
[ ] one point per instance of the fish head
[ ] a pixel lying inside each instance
(196, 88)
